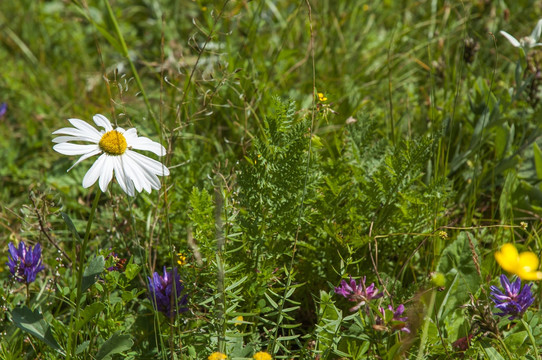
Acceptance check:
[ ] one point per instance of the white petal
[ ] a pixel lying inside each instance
(133, 172)
(102, 121)
(146, 144)
(535, 35)
(119, 173)
(121, 177)
(94, 172)
(79, 135)
(86, 156)
(130, 134)
(153, 180)
(142, 175)
(510, 38)
(85, 127)
(106, 173)
(74, 149)
(62, 139)
(147, 163)
(149, 173)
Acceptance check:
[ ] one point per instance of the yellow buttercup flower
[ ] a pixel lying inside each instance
(262, 355)
(524, 265)
(217, 356)
(238, 320)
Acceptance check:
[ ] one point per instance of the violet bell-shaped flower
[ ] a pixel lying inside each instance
(360, 294)
(24, 262)
(514, 301)
(165, 293)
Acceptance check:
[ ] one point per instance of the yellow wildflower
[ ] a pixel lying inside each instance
(322, 97)
(217, 356)
(181, 259)
(238, 320)
(262, 355)
(443, 234)
(524, 265)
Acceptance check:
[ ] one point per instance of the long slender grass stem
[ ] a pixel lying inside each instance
(80, 272)
(132, 66)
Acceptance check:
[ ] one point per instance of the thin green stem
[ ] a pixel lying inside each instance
(509, 355)
(80, 272)
(132, 66)
(531, 337)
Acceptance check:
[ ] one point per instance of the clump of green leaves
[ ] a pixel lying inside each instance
(277, 176)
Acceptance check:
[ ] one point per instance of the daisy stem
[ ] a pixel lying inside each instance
(132, 66)
(80, 271)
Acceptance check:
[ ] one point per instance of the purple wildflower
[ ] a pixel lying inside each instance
(24, 263)
(357, 293)
(165, 293)
(397, 322)
(3, 109)
(514, 301)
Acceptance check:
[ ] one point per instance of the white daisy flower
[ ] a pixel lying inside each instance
(132, 170)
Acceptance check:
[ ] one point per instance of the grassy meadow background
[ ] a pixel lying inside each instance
(418, 161)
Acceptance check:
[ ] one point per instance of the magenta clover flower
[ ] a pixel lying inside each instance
(165, 293)
(24, 262)
(397, 322)
(514, 301)
(357, 293)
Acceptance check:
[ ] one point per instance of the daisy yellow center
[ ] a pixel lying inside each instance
(113, 143)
